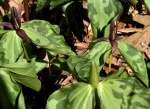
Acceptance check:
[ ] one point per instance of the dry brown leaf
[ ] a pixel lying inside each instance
(129, 30)
(2, 12)
(143, 19)
(18, 5)
(81, 45)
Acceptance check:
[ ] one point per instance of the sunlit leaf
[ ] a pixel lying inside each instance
(9, 92)
(123, 94)
(45, 36)
(10, 48)
(102, 12)
(77, 96)
(25, 73)
(135, 59)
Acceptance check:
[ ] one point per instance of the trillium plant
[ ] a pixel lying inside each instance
(93, 90)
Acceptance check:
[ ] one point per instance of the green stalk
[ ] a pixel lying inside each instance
(94, 77)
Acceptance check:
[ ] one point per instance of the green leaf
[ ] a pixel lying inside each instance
(99, 53)
(77, 96)
(102, 12)
(21, 102)
(10, 48)
(147, 4)
(46, 36)
(2, 31)
(25, 73)
(43, 27)
(123, 94)
(9, 92)
(135, 59)
(37, 38)
(80, 66)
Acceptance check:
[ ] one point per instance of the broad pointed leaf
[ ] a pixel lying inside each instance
(25, 73)
(46, 36)
(99, 52)
(10, 48)
(102, 12)
(36, 38)
(135, 59)
(80, 66)
(43, 27)
(9, 92)
(77, 96)
(123, 94)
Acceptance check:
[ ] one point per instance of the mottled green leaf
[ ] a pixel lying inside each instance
(37, 38)
(135, 59)
(80, 66)
(46, 36)
(147, 4)
(102, 12)
(25, 73)
(123, 94)
(9, 92)
(10, 48)
(43, 27)
(77, 96)
(99, 53)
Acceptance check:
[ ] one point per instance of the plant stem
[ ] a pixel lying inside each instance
(112, 36)
(94, 77)
(110, 59)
